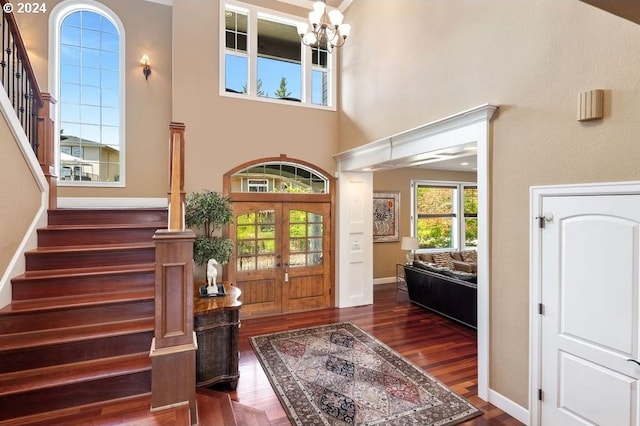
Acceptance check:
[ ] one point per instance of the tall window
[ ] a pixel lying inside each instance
(264, 58)
(90, 100)
(445, 215)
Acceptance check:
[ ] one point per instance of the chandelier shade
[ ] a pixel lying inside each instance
(325, 29)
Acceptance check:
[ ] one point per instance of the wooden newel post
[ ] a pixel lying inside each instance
(46, 146)
(176, 177)
(173, 350)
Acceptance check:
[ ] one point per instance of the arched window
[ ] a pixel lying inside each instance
(279, 177)
(88, 84)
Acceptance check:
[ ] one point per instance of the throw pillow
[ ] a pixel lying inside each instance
(443, 260)
(470, 256)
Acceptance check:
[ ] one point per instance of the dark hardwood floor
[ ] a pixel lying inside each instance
(442, 348)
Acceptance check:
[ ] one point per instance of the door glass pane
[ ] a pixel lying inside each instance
(266, 231)
(315, 244)
(246, 232)
(255, 241)
(266, 262)
(306, 232)
(315, 218)
(266, 246)
(297, 230)
(246, 248)
(297, 260)
(315, 230)
(314, 259)
(297, 245)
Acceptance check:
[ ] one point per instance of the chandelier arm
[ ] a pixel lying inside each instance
(324, 32)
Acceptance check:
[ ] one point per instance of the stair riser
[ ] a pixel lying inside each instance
(45, 356)
(107, 216)
(51, 399)
(42, 320)
(76, 237)
(29, 289)
(36, 261)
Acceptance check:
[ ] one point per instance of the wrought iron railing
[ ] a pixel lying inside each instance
(18, 79)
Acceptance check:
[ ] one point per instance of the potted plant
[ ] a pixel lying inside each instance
(206, 213)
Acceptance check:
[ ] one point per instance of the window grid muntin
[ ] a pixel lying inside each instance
(83, 74)
(284, 173)
(255, 241)
(459, 218)
(324, 100)
(306, 234)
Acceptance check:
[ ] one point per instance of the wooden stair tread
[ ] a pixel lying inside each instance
(75, 340)
(91, 226)
(92, 248)
(53, 336)
(87, 271)
(49, 377)
(67, 302)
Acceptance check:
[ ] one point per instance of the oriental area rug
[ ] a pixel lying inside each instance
(339, 375)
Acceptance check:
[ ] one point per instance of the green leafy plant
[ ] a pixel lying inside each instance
(207, 212)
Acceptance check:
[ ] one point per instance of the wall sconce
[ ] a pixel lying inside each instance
(146, 66)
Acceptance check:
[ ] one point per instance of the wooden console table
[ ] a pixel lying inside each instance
(216, 321)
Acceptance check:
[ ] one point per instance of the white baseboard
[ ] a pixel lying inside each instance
(384, 280)
(30, 241)
(508, 406)
(105, 202)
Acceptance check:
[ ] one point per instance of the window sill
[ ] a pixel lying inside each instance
(89, 184)
(293, 103)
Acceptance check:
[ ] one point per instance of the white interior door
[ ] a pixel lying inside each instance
(589, 270)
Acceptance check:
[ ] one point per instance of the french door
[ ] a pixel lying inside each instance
(282, 256)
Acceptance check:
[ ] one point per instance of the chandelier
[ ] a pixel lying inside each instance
(326, 29)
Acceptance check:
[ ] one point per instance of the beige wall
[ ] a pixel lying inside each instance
(223, 132)
(21, 195)
(387, 254)
(439, 57)
(148, 103)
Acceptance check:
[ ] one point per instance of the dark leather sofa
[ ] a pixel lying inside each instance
(452, 297)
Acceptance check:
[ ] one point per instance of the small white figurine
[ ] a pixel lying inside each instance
(212, 273)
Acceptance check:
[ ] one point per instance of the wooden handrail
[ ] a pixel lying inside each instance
(22, 53)
(176, 178)
(33, 108)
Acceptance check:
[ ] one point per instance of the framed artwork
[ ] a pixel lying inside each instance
(386, 209)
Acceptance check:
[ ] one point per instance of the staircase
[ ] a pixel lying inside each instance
(74, 343)
(79, 329)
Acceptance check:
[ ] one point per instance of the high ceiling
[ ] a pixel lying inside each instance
(627, 9)
(462, 158)
(308, 4)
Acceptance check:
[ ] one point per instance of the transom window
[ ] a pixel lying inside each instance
(90, 102)
(263, 58)
(445, 215)
(279, 177)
